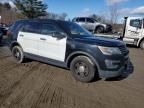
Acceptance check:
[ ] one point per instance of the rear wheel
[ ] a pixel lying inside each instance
(18, 54)
(142, 44)
(83, 69)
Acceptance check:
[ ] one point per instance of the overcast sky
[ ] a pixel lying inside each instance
(76, 8)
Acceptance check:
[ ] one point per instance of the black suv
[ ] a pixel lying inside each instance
(68, 45)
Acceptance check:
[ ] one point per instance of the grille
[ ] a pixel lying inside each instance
(124, 50)
(109, 26)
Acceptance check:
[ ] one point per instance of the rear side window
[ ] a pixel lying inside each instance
(31, 27)
(15, 26)
(81, 19)
(136, 23)
(49, 29)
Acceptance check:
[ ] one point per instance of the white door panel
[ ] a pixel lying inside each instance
(131, 31)
(28, 41)
(51, 47)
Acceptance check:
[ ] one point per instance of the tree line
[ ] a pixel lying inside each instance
(37, 9)
(27, 9)
(7, 13)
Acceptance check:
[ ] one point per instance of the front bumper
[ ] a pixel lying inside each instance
(123, 71)
(108, 28)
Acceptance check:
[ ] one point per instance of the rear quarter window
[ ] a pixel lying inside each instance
(14, 29)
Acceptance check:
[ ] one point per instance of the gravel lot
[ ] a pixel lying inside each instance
(38, 85)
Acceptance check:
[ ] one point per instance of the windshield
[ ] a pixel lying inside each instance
(75, 29)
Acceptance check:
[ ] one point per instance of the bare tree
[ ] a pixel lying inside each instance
(100, 18)
(96, 17)
(113, 9)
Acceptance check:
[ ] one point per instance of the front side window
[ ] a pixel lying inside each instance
(136, 23)
(49, 29)
(90, 20)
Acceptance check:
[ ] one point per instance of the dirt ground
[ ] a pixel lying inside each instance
(39, 85)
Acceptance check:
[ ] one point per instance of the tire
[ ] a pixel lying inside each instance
(99, 29)
(83, 69)
(142, 45)
(17, 54)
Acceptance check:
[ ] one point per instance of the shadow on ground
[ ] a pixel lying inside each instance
(132, 46)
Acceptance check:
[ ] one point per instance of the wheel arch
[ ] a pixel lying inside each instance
(15, 43)
(80, 53)
(98, 27)
(139, 42)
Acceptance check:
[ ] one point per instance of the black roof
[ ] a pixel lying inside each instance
(41, 20)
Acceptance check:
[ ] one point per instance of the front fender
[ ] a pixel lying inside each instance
(78, 53)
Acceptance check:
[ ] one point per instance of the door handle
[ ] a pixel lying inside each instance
(21, 35)
(42, 39)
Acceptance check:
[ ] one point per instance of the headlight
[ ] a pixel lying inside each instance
(109, 50)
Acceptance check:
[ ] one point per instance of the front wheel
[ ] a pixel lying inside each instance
(83, 69)
(17, 54)
(142, 44)
(99, 29)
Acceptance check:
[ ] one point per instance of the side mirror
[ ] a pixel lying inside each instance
(58, 35)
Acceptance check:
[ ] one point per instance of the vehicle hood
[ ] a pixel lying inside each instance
(101, 41)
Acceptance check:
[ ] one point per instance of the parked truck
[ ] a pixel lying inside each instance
(133, 32)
